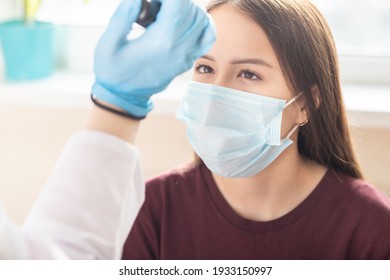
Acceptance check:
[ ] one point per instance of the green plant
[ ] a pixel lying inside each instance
(30, 9)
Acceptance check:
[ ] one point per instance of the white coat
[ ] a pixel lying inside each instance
(87, 207)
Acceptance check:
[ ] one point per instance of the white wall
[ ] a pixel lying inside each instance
(9, 9)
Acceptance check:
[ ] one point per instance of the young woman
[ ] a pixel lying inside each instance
(277, 176)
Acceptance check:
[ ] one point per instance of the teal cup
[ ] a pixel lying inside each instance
(28, 49)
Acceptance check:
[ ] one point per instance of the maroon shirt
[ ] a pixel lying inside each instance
(186, 217)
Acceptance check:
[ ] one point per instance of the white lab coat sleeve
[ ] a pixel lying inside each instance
(90, 201)
(13, 244)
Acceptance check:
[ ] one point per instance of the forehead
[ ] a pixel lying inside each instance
(239, 35)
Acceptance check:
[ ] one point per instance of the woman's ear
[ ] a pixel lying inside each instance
(304, 110)
(316, 95)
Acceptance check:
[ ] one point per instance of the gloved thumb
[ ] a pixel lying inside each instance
(208, 37)
(121, 23)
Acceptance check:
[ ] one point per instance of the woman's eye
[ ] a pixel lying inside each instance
(249, 75)
(203, 69)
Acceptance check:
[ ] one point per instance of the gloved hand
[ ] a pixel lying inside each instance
(129, 72)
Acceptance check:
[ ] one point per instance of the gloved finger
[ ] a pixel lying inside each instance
(208, 37)
(176, 24)
(121, 22)
(201, 36)
(172, 9)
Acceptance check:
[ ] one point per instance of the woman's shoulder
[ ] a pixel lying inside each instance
(179, 179)
(182, 172)
(360, 193)
(361, 213)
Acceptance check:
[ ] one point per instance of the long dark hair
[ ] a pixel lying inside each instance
(307, 54)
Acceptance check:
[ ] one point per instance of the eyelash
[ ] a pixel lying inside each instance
(258, 77)
(198, 68)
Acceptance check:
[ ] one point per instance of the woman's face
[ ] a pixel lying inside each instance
(242, 58)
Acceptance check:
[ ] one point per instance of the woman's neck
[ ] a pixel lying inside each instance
(274, 191)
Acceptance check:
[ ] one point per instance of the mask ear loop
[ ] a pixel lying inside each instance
(297, 125)
(292, 100)
(305, 122)
(292, 131)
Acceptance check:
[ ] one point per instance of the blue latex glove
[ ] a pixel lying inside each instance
(129, 72)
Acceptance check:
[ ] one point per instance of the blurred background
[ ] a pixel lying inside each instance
(40, 110)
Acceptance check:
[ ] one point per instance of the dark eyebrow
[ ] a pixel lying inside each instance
(207, 57)
(251, 61)
(256, 61)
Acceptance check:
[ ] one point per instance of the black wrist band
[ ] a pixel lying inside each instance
(112, 110)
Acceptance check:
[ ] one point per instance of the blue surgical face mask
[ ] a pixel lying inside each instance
(235, 133)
